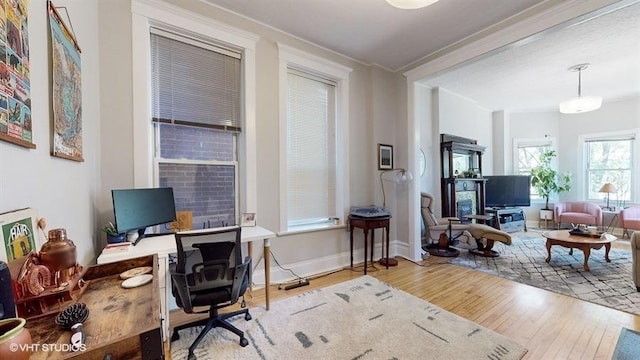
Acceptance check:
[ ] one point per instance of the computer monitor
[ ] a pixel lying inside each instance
(136, 209)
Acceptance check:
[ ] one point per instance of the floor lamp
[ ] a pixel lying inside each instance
(400, 176)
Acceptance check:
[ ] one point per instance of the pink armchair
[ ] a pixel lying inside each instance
(630, 219)
(578, 213)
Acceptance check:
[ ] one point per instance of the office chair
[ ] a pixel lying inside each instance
(210, 272)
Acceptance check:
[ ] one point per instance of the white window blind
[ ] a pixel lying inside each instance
(196, 85)
(311, 148)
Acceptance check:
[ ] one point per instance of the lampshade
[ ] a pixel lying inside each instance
(400, 176)
(581, 103)
(410, 4)
(607, 188)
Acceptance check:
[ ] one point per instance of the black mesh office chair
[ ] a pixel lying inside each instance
(210, 272)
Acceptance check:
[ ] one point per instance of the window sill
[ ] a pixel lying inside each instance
(310, 228)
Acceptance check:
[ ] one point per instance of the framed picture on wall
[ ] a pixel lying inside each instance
(248, 219)
(385, 157)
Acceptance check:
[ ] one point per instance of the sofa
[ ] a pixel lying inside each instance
(635, 255)
(630, 219)
(577, 212)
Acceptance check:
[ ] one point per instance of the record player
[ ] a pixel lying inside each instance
(370, 211)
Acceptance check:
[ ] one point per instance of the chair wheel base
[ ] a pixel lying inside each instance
(175, 336)
(244, 342)
(485, 253)
(247, 316)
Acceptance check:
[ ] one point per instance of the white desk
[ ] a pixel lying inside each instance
(166, 244)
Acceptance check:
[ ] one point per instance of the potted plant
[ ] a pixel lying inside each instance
(112, 234)
(547, 181)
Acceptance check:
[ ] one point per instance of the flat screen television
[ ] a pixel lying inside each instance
(507, 191)
(136, 209)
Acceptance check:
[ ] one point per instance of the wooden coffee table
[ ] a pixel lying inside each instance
(584, 243)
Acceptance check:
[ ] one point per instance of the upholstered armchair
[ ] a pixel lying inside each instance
(635, 256)
(449, 231)
(580, 212)
(630, 219)
(435, 227)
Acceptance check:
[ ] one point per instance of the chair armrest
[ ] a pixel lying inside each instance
(448, 220)
(179, 284)
(241, 272)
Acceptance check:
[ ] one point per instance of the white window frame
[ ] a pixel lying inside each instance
(293, 58)
(152, 13)
(582, 177)
(526, 142)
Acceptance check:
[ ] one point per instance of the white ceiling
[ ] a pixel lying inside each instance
(535, 76)
(529, 77)
(374, 32)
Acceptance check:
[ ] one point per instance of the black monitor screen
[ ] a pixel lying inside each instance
(136, 209)
(508, 190)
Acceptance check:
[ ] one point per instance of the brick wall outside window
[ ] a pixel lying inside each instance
(206, 190)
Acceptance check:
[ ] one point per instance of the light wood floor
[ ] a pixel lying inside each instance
(549, 325)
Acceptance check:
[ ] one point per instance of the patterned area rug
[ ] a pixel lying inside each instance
(357, 319)
(608, 284)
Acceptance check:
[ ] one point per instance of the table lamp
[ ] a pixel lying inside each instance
(608, 188)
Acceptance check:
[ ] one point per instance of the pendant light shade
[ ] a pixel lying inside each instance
(410, 4)
(581, 103)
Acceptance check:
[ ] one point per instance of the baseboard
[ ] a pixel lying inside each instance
(324, 264)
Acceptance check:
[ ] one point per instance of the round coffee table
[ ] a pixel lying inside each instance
(584, 243)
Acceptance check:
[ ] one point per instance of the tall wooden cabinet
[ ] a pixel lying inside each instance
(462, 184)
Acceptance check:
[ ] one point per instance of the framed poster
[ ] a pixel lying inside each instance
(19, 233)
(385, 157)
(66, 90)
(15, 89)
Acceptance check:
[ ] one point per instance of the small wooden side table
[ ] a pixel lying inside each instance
(367, 224)
(480, 219)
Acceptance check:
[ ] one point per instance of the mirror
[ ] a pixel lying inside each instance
(422, 162)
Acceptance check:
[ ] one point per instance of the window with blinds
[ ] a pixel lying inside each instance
(196, 102)
(610, 160)
(311, 148)
(194, 83)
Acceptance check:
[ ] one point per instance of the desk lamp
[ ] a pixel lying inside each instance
(608, 188)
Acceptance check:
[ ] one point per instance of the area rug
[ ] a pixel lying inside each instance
(628, 346)
(608, 284)
(357, 319)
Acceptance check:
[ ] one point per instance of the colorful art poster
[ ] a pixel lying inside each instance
(15, 86)
(19, 233)
(66, 91)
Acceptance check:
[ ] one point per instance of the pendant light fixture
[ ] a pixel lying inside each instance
(580, 104)
(410, 4)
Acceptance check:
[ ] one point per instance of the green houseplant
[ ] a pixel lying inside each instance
(112, 234)
(546, 180)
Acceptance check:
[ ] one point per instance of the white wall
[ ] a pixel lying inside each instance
(62, 191)
(566, 130)
(461, 116)
(372, 114)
